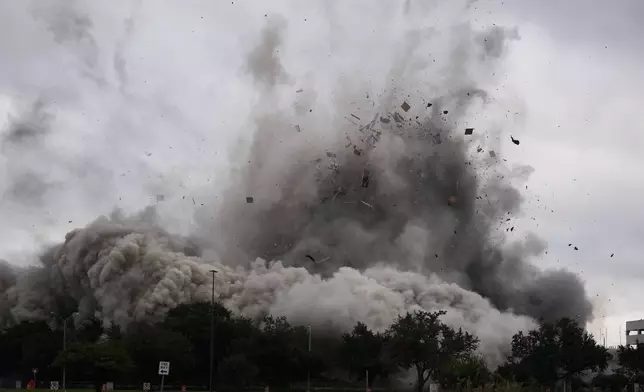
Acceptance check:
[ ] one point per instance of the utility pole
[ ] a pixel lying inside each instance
(212, 327)
(308, 377)
(65, 345)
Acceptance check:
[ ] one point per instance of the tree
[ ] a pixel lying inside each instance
(631, 359)
(99, 362)
(469, 370)
(26, 346)
(363, 350)
(281, 352)
(419, 340)
(554, 352)
(148, 344)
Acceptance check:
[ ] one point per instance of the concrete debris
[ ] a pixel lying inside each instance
(250, 199)
(385, 120)
(492, 153)
(405, 106)
(515, 141)
(397, 117)
(364, 183)
(479, 149)
(357, 151)
(469, 131)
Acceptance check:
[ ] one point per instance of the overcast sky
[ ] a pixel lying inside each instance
(147, 98)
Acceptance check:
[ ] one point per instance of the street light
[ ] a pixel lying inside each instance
(212, 326)
(308, 376)
(65, 346)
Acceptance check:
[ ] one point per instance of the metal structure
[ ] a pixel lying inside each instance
(212, 328)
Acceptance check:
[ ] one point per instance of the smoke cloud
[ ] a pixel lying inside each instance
(358, 208)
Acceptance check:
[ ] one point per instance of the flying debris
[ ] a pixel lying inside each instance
(469, 131)
(250, 199)
(515, 141)
(405, 106)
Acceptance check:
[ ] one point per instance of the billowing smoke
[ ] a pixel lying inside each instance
(378, 204)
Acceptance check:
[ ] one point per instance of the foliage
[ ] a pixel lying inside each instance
(420, 341)
(99, 362)
(553, 352)
(631, 360)
(363, 351)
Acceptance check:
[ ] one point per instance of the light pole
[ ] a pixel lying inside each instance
(65, 346)
(212, 327)
(308, 376)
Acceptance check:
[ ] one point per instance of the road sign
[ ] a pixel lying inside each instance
(53, 386)
(146, 386)
(164, 368)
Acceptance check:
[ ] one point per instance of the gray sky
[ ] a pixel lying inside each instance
(148, 98)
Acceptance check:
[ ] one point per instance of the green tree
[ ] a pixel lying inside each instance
(420, 341)
(26, 346)
(148, 344)
(363, 350)
(631, 360)
(99, 362)
(554, 352)
(468, 370)
(281, 352)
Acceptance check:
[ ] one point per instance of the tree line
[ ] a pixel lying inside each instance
(275, 353)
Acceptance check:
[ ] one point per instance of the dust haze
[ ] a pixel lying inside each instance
(355, 205)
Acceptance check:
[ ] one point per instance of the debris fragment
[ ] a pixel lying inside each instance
(479, 149)
(365, 179)
(445, 111)
(515, 141)
(492, 153)
(330, 154)
(357, 151)
(405, 106)
(397, 117)
(612, 254)
(429, 105)
(576, 248)
(385, 120)
(297, 128)
(310, 258)
(354, 116)
(451, 200)
(367, 204)
(160, 198)
(250, 199)
(299, 91)
(469, 131)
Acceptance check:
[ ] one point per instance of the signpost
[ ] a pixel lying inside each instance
(35, 371)
(53, 385)
(164, 370)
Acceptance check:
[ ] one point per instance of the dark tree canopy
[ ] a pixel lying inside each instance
(363, 351)
(631, 359)
(422, 342)
(554, 352)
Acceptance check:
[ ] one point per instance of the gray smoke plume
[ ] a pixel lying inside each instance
(368, 207)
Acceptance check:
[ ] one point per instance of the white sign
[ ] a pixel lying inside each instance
(18, 384)
(110, 386)
(146, 386)
(164, 368)
(53, 386)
